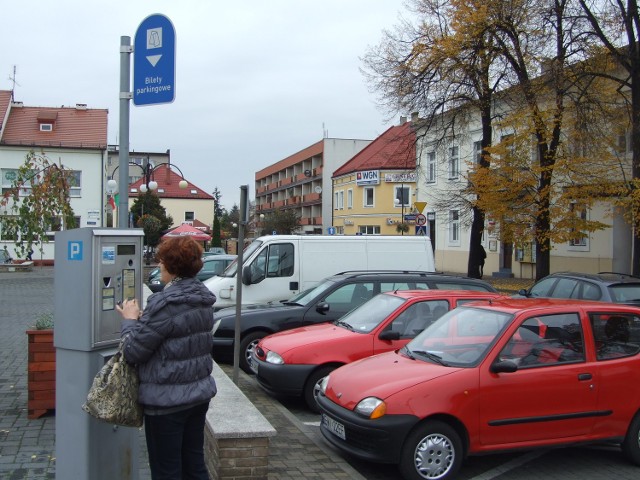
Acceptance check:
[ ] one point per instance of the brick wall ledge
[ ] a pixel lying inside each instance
(237, 434)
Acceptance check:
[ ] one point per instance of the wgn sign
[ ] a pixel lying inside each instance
(368, 177)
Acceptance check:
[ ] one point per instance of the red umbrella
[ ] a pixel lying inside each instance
(186, 230)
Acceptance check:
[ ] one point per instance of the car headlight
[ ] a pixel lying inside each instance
(371, 407)
(323, 384)
(273, 357)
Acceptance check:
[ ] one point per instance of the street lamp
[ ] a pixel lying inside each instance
(397, 202)
(150, 183)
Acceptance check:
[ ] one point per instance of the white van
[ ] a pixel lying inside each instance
(279, 266)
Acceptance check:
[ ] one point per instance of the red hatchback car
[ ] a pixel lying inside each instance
(294, 362)
(492, 376)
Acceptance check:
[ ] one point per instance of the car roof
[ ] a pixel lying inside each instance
(603, 277)
(541, 305)
(403, 273)
(440, 293)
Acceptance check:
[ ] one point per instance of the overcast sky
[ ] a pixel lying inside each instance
(256, 80)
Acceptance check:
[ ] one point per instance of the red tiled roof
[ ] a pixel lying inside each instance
(76, 127)
(394, 149)
(168, 180)
(5, 101)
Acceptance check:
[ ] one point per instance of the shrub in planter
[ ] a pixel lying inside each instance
(41, 379)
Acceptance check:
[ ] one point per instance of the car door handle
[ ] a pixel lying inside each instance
(584, 376)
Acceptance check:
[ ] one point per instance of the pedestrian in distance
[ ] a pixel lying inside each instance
(170, 343)
(483, 256)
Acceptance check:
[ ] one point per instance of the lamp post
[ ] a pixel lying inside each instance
(399, 201)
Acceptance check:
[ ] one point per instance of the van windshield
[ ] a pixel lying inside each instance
(248, 251)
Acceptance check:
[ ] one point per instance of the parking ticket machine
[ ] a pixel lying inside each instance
(95, 268)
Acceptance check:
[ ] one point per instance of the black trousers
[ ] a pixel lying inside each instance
(175, 443)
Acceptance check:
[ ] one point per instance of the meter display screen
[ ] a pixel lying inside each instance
(126, 249)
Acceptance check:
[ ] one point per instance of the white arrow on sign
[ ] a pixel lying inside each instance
(154, 59)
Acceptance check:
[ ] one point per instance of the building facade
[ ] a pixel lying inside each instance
(303, 182)
(74, 138)
(374, 193)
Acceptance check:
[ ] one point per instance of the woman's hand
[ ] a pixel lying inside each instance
(129, 309)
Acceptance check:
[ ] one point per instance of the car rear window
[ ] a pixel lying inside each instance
(625, 292)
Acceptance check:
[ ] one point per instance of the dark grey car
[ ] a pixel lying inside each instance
(326, 302)
(603, 286)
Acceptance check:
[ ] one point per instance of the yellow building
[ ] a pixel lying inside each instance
(374, 192)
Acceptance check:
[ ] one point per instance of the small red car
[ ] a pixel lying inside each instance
(294, 362)
(492, 376)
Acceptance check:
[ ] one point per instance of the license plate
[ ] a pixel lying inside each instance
(253, 365)
(334, 427)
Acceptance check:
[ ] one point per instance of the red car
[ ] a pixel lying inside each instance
(492, 376)
(294, 362)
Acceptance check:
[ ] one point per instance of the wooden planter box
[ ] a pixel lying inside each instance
(41, 380)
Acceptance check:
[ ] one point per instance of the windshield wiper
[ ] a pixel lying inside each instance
(340, 323)
(408, 353)
(431, 356)
(292, 303)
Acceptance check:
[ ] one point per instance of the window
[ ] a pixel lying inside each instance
(401, 196)
(454, 163)
(547, 340)
(369, 229)
(274, 261)
(350, 198)
(477, 152)
(46, 127)
(581, 214)
(454, 227)
(368, 197)
(616, 335)
(341, 200)
(75, 183)
(431, 167)
(189, 216)
(335, 201)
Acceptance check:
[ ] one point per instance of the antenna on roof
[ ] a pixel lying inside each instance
(13, 80)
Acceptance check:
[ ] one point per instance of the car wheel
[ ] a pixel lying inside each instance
(312, 387)
(247, 346)
(432, 451)
(631, 443)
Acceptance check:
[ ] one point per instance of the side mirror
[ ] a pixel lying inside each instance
(523, 292)
(504, 366)
(246, 275)
(389, 335)
(322, 307)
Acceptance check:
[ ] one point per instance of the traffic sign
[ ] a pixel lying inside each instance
(421, 230)
(154, 61)
(421, 220)
(331, 230)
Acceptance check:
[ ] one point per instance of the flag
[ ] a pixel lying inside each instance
(112, 202)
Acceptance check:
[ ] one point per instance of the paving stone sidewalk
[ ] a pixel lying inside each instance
(27, 447)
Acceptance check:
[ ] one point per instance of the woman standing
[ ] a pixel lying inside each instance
(170, 343)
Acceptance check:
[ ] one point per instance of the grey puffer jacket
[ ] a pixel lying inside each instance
(171, 346)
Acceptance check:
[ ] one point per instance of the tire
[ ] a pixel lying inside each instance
(631, 443)
(312, 386)
(432, 451)
(247, 346)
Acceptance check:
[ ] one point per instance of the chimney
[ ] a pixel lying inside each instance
(81, 106)
(414, 117)
(403, 120)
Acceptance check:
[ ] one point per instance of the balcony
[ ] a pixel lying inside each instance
(312, 197)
